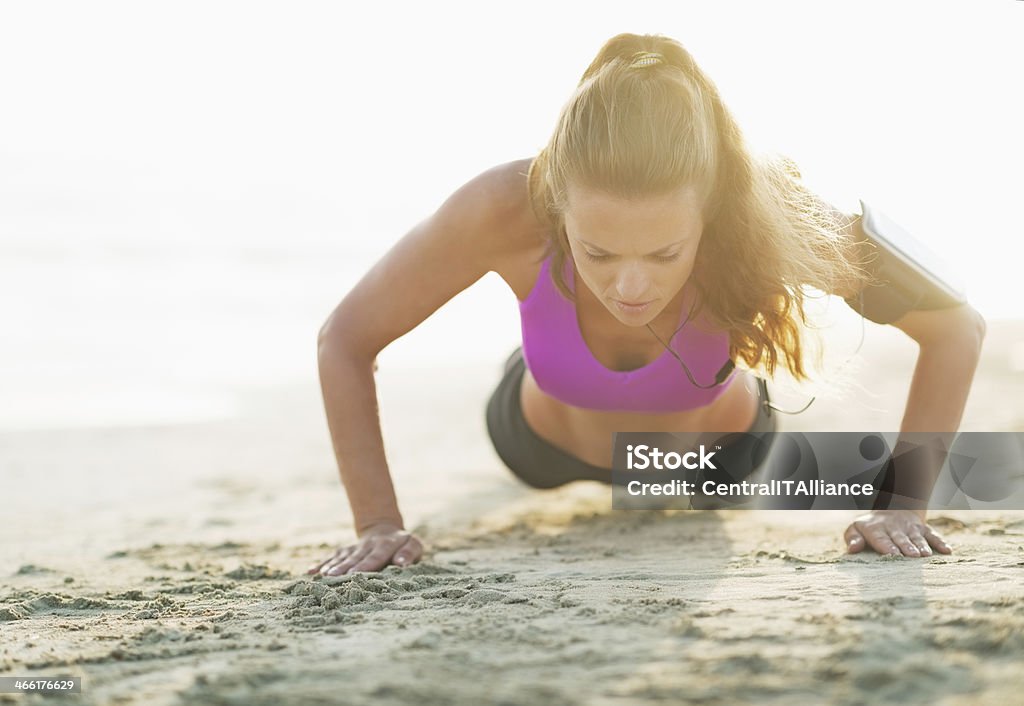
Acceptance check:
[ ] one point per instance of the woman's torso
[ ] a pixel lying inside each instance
(587, 433)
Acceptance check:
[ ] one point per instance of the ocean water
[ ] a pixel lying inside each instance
(176, 226)
(96, 336)
(101, 335)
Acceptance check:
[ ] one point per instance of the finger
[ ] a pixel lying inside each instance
(937, 541)
(383, 554)
(409, 553)
(880, 541)
(903, 542)
(854, 540)
(920, 542)
(314, 569)
(341, 564)
(374, 561)
(335, 559)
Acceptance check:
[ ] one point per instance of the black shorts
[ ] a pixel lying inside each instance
(540, 464)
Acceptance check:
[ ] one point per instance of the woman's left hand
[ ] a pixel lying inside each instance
(895, 532)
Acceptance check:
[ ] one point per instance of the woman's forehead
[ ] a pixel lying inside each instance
(604, 219)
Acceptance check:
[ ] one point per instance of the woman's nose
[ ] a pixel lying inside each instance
(632, 283)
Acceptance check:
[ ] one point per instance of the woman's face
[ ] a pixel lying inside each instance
(635, 256)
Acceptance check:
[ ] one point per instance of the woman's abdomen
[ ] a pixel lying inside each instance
(587, 434)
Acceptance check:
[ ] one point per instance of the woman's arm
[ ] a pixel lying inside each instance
(950, 345)
(350, 401)
(949, 342)
(439, 258)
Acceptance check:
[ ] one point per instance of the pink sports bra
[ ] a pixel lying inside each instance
(563, 366)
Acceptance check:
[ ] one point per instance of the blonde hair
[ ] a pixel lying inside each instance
(645, 121)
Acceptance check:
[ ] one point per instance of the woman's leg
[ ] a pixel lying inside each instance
(743, 456)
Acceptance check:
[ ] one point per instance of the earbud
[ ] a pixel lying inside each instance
(729, 366)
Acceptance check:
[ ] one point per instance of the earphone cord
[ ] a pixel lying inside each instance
(767, 403)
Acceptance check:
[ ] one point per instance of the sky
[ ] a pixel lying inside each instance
(187, 189)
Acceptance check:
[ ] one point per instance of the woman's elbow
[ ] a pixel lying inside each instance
(982, 326)
(335, 341)
(975, 327)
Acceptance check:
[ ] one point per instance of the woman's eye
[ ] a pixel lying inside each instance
(603, 258)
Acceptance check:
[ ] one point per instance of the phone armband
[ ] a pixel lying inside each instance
(905, 274)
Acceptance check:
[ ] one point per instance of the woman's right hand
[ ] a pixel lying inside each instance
(379, 546)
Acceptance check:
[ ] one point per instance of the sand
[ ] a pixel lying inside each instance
(165, 565)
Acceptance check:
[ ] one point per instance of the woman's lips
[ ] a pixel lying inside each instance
(634, 308)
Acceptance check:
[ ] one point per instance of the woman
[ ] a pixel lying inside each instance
(648, 250)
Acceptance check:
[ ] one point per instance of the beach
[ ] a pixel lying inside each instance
(189, 191)
(165, 564)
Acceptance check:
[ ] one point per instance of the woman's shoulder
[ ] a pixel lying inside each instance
(507, 187)
(521, 237)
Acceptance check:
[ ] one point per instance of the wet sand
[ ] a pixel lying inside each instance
(165, 565)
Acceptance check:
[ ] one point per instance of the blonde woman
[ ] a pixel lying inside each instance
(658, 266)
